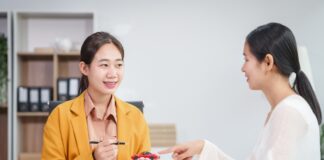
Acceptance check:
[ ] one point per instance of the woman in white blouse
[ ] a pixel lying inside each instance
(291, 129)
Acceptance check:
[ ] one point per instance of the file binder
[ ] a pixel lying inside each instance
(22, 99)
(34, 99)
(73, 87)
(45, 97)
(62, 89)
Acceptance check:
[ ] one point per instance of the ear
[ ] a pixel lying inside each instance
(269, 62)
(84, 68)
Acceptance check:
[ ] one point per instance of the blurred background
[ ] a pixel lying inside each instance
(183, 60)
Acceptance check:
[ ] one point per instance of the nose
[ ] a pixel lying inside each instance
(112, 72)
(242, 68)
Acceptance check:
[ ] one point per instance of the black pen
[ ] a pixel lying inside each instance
(115, 143)
(118, 143)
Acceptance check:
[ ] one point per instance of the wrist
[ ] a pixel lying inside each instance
(201, 144)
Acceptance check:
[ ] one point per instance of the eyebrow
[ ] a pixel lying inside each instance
(104, 60)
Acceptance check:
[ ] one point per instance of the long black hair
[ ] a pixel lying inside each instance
(279, 41)
(90, 47)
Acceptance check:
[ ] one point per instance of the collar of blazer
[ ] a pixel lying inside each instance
(80, 129)
(79, 101)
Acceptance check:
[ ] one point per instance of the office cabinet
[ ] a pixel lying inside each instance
(39, 62)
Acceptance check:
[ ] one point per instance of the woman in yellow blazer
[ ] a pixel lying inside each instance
(67, 131)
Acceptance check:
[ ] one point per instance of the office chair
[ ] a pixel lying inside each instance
(53, 104)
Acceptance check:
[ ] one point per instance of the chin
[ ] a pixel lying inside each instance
(252, 87)
(106, 91)
(109, 92)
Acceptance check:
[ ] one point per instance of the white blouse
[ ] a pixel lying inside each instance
(291, 133)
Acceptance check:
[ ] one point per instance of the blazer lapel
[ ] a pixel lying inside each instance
(79, 125)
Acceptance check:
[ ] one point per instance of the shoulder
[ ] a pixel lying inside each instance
(295, 109)
(130, 112)
(127, 107)
(64, 109)
(295, 101)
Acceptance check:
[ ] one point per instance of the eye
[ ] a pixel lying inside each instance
(119, 65)
(104, 65)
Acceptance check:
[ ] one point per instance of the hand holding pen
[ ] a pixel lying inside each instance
(106, 149)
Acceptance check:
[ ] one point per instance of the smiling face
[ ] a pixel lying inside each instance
(253, 69)
(106, 70)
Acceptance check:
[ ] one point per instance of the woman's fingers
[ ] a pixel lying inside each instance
(109, 148)
(112, 153)
(166, 151)
(182, 156)
(108, 142)
(106, 150)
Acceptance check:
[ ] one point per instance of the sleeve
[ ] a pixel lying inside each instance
(52, 142)
(144, 143)
(285, 130)
(54, 145)
(211, 151)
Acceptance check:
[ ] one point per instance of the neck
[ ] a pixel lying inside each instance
(277, 89)
(99, 99)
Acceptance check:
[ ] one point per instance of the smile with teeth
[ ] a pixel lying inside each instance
(110, 85)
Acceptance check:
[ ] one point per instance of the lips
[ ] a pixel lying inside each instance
(247, 78)
(110, 85)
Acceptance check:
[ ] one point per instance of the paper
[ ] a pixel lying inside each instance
(62, 87)
(45, 95)
(73, 86)
(33, 95)
(23, 94)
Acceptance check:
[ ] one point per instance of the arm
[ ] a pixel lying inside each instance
(54, 143)
(285, 130)
(204, 148)
(53, 147)
(144, 139)
(210, 151)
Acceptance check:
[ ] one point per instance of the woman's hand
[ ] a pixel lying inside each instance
(105, 150)
(185, 151)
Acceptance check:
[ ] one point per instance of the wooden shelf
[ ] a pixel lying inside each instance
(32, 114)
(3, 109)
(39, 64)
(72, 53)
(32, 66)
(34, 54)
(3, 106)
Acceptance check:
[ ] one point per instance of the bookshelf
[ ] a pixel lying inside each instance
(36, 67)
(5, 106)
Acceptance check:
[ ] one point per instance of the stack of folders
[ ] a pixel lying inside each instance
(34, 99)
(67, 88)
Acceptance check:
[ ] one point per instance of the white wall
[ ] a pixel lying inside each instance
(184, 59)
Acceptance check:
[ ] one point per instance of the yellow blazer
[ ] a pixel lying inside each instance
(66, 135)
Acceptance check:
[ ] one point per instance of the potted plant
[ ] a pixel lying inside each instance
(3, 70)
(322, 140)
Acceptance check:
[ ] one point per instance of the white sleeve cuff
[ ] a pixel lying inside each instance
(211, 151)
